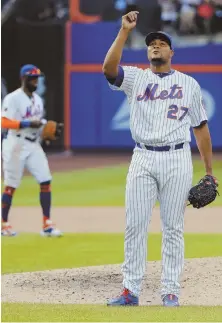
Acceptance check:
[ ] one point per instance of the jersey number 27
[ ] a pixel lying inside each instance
(173, 112)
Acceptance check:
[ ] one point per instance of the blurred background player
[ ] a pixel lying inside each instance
(22, 116)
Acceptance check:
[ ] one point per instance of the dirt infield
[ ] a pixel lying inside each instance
(109, 219)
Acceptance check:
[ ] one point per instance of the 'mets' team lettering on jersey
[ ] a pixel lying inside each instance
(163, 106)
(151, 93)
(31, 112)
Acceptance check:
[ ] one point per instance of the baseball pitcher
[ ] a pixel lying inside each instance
(22, 116)
(164, 104)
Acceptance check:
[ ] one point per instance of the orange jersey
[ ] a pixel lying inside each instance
(10, 124)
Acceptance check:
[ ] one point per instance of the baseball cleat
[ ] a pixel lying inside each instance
(49, 230)
(7, 230)
(125, 299)
(170, 300)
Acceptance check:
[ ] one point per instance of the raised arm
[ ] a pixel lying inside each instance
(113, 56)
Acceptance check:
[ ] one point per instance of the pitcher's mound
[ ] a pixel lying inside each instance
(201, 284)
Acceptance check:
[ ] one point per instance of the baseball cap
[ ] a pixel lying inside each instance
(30, 70)
(159, 35)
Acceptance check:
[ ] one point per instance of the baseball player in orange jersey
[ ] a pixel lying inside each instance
(22, 115)
(164, 104)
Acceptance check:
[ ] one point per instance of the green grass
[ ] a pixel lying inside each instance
(93, 187)
(22, 253)
(92, 313)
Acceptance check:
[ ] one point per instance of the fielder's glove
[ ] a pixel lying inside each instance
(52, 130)
(204, 192)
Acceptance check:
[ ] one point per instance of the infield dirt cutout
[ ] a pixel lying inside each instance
(201, 281)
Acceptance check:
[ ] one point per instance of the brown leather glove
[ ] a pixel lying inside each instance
(52, 130)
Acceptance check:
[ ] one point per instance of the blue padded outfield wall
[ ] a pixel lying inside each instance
(99, 117)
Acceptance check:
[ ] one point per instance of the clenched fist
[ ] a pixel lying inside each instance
(129, 20)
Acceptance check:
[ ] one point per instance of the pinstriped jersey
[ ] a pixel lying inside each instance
(163, 107)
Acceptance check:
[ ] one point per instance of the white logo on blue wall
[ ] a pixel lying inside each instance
(121, 120)
(209, 103)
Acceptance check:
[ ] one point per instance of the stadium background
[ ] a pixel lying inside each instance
(68, 40)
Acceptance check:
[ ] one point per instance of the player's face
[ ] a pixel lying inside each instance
(159, 51)
(31, 83)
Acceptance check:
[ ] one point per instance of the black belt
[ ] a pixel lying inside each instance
(27, 138)
(162, 148)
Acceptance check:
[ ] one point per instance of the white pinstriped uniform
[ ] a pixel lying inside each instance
(17, 152)
(162, 110)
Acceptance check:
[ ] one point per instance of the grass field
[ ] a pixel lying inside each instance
(19, 254)
(93, 187)
(93, 313)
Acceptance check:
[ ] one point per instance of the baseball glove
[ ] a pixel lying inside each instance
(204, 192)
(52, 130)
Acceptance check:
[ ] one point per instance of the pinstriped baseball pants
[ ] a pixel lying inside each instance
(152, 175)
